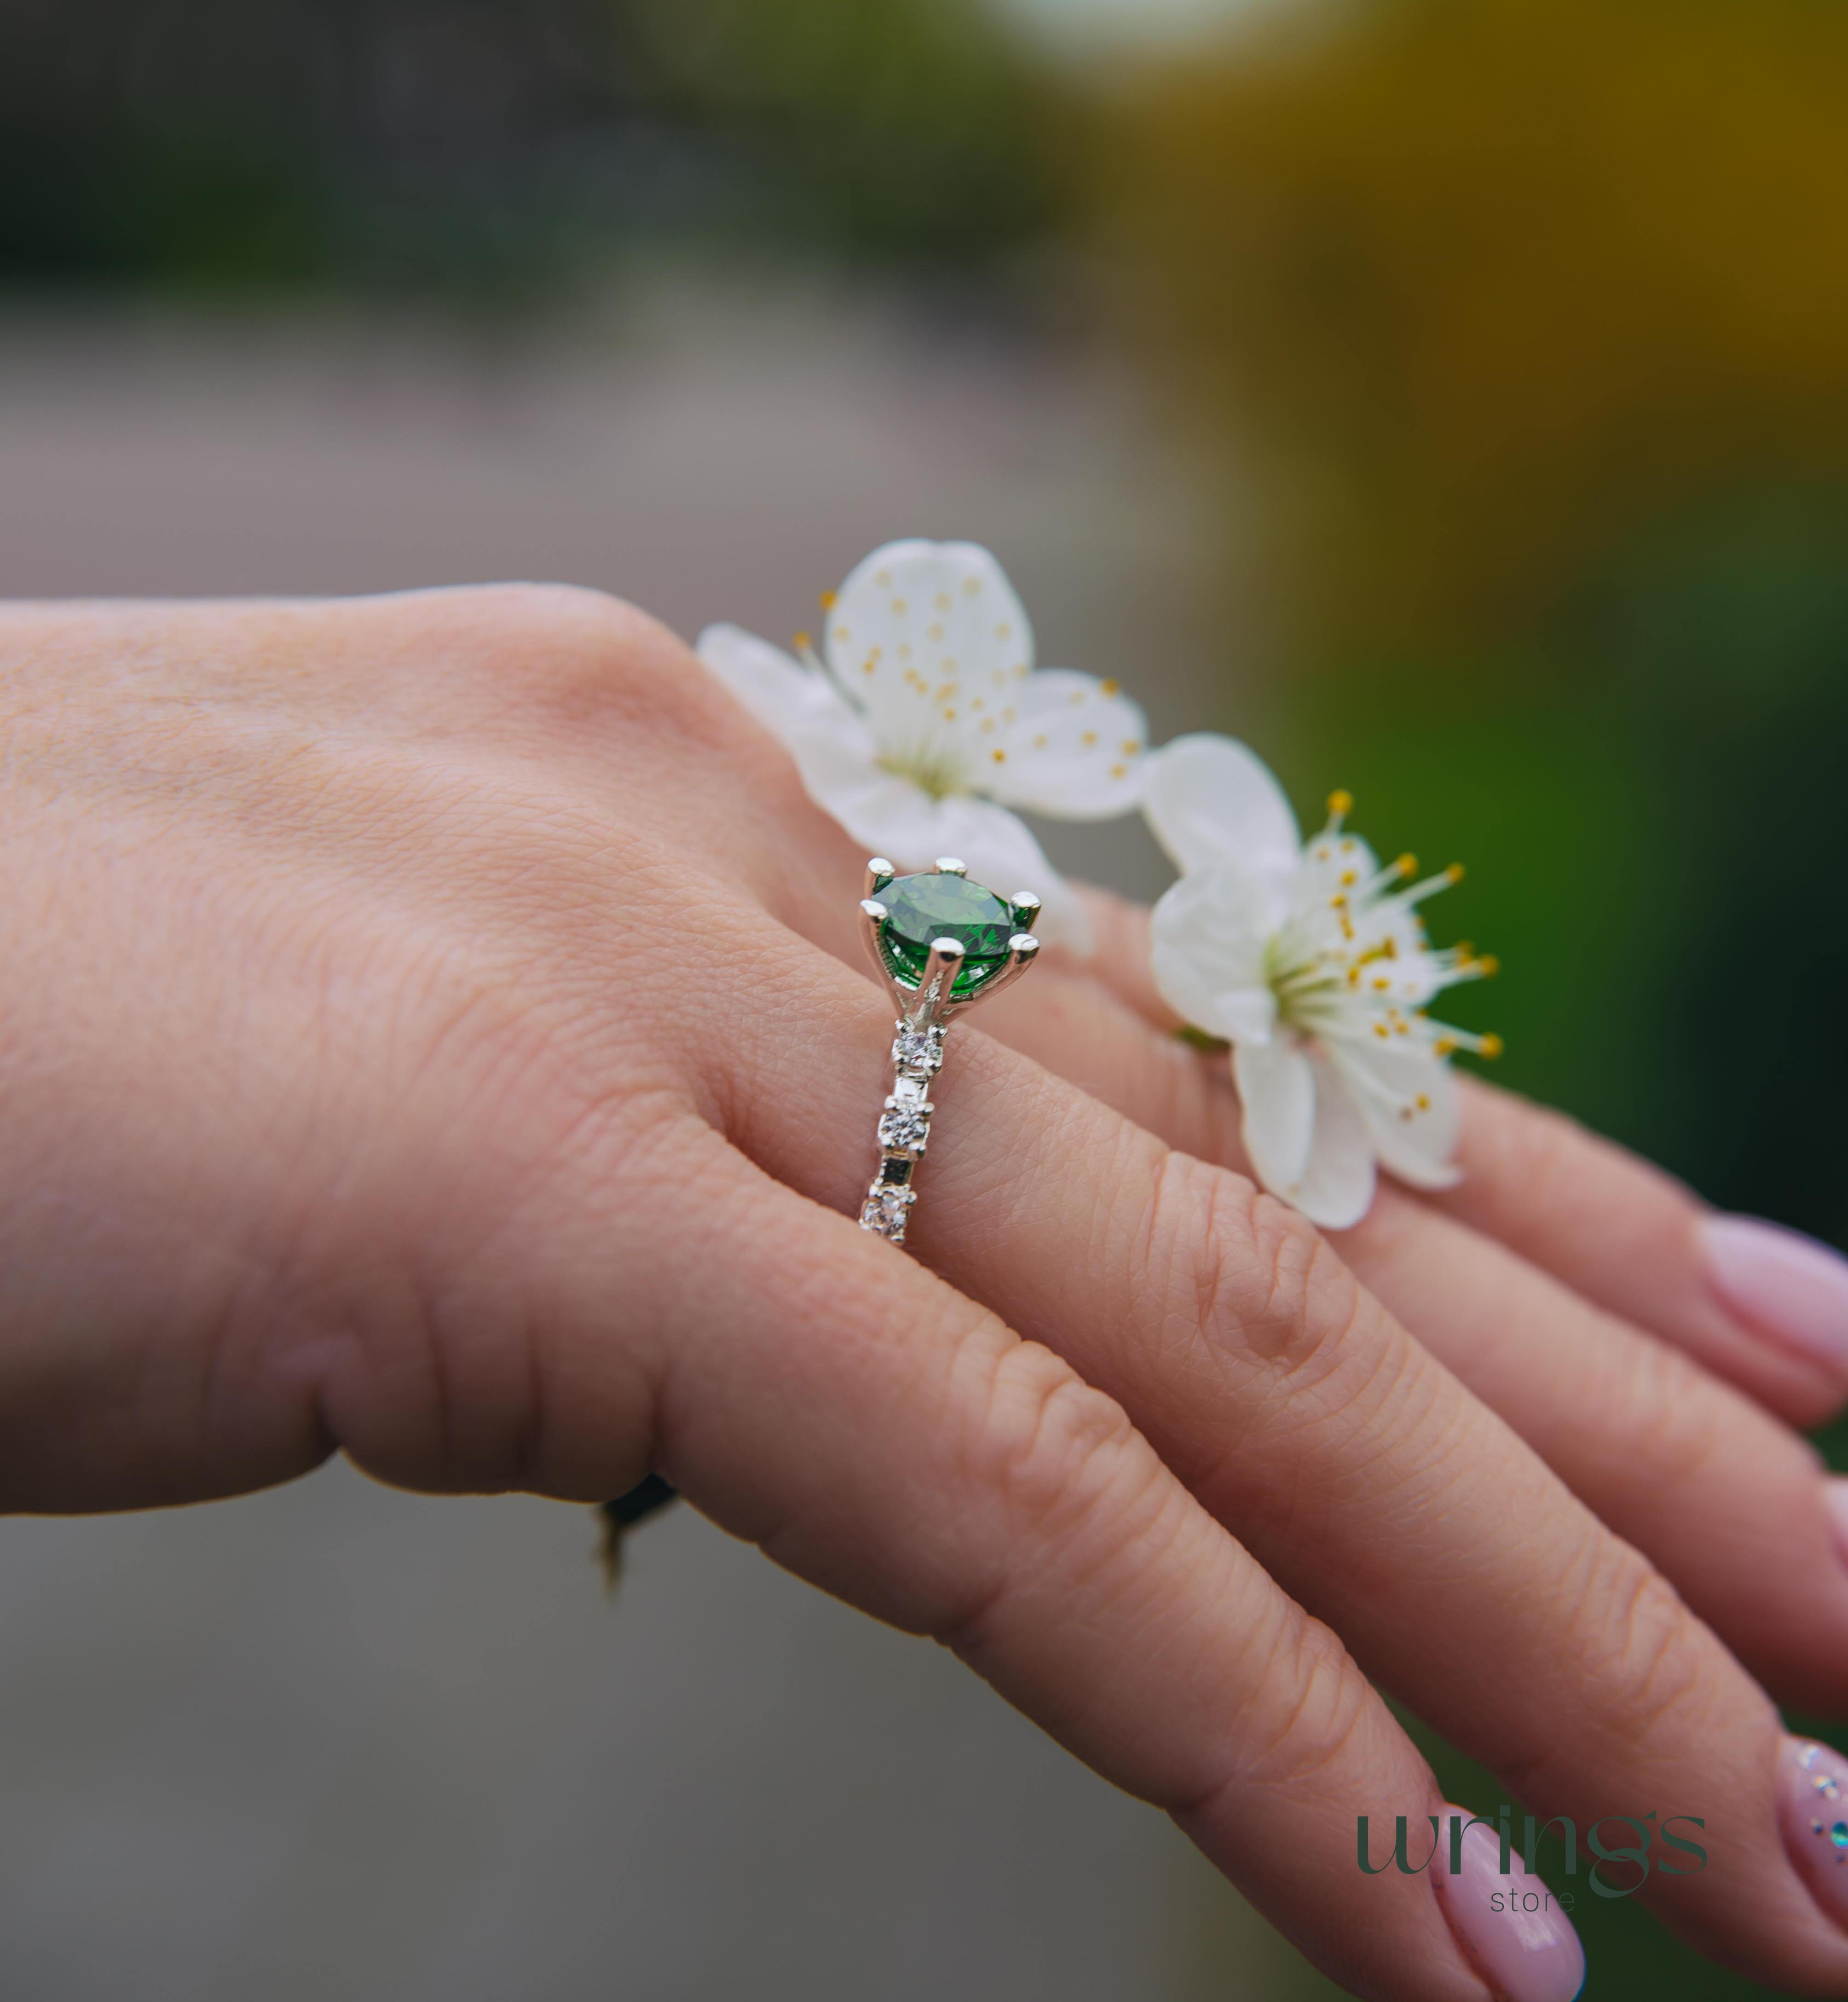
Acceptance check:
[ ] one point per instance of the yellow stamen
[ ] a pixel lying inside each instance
(829, 600)
(1455, 872)
(1491, 1047)
(999, 757)
(802, 643)
(1341, 804)
(1110, 687)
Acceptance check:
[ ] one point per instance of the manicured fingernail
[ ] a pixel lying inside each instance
(1786, 1286)
(1812, 1804)
(1835, 1500)
(1512, 1927)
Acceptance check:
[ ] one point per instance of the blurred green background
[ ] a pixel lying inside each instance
(1519, 327)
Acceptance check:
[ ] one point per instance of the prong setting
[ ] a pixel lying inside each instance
(926, 1008)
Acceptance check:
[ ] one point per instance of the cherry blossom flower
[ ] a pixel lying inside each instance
(922, 723)
(1311, 960)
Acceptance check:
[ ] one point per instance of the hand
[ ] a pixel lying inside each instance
(424, 1038)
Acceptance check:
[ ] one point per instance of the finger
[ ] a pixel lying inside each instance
(830, 1400)
(1766, 1308)
(1358, 1472)
(1728, 1502)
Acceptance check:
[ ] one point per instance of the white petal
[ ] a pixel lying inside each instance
(782, 694)
(1417, 1140)
(1210, 799)
(1003, 855)
(921, 631)
(1278, 1090)
(1207, 938)
(1337, 1189)
(1063, 744)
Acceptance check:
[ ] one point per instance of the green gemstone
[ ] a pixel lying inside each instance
(923, 909)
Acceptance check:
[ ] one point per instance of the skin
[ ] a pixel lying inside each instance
(431, 1032)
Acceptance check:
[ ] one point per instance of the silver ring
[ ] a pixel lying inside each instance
(938, 942)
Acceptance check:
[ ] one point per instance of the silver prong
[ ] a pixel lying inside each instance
(1022, 950)
(947, 865)
(1026, 907)
(879, 872)
(873, 914)
(931, 1001)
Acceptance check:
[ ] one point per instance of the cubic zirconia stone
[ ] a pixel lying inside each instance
(918, 1050)
(903, 1129)
(885, 1210)
(921, 910)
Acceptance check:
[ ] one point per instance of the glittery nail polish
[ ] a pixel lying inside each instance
(1813, 1808)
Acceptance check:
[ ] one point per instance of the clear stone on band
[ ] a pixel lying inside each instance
(885, 1212)
(918, 1050)
(903, 1129)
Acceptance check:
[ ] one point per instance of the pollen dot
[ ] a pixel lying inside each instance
(1130, 747)
(943, 601)
(1348, 879)
(999, 757)
(935, 634)
(1039, 744)
(1004, 631)
(973, 586)
(1455, 872)
(1089, 738)
(802, 643)
(1111, 687)
(883, 579)
(1078, 699)
(1492, 1046)
(869, 667)
(1381, 1030)
(829, 600)
(1119, 771)
(897, 608)
(1341, 803)
(841, 634)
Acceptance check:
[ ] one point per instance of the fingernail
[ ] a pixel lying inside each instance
(1835, 1500)
(1785, 1285)
(1812, 1804)
(1511, 1926)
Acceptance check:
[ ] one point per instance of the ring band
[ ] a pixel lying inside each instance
(938, 942)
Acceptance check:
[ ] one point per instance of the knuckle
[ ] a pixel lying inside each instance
(1055, 1443)
(1653, 1649)
(1671, 1420)
(1249, 1271)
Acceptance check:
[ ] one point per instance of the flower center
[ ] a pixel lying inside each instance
(933, 769)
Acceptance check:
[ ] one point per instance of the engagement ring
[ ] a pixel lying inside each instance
(938, 942)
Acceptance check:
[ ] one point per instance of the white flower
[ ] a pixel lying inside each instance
(1312, 962)
(923, 722)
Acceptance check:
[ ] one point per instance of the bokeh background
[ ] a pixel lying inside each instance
(1451, 395)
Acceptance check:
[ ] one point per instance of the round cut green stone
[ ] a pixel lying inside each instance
(922, 909)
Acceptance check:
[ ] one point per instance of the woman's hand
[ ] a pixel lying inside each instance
(426, 1035)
